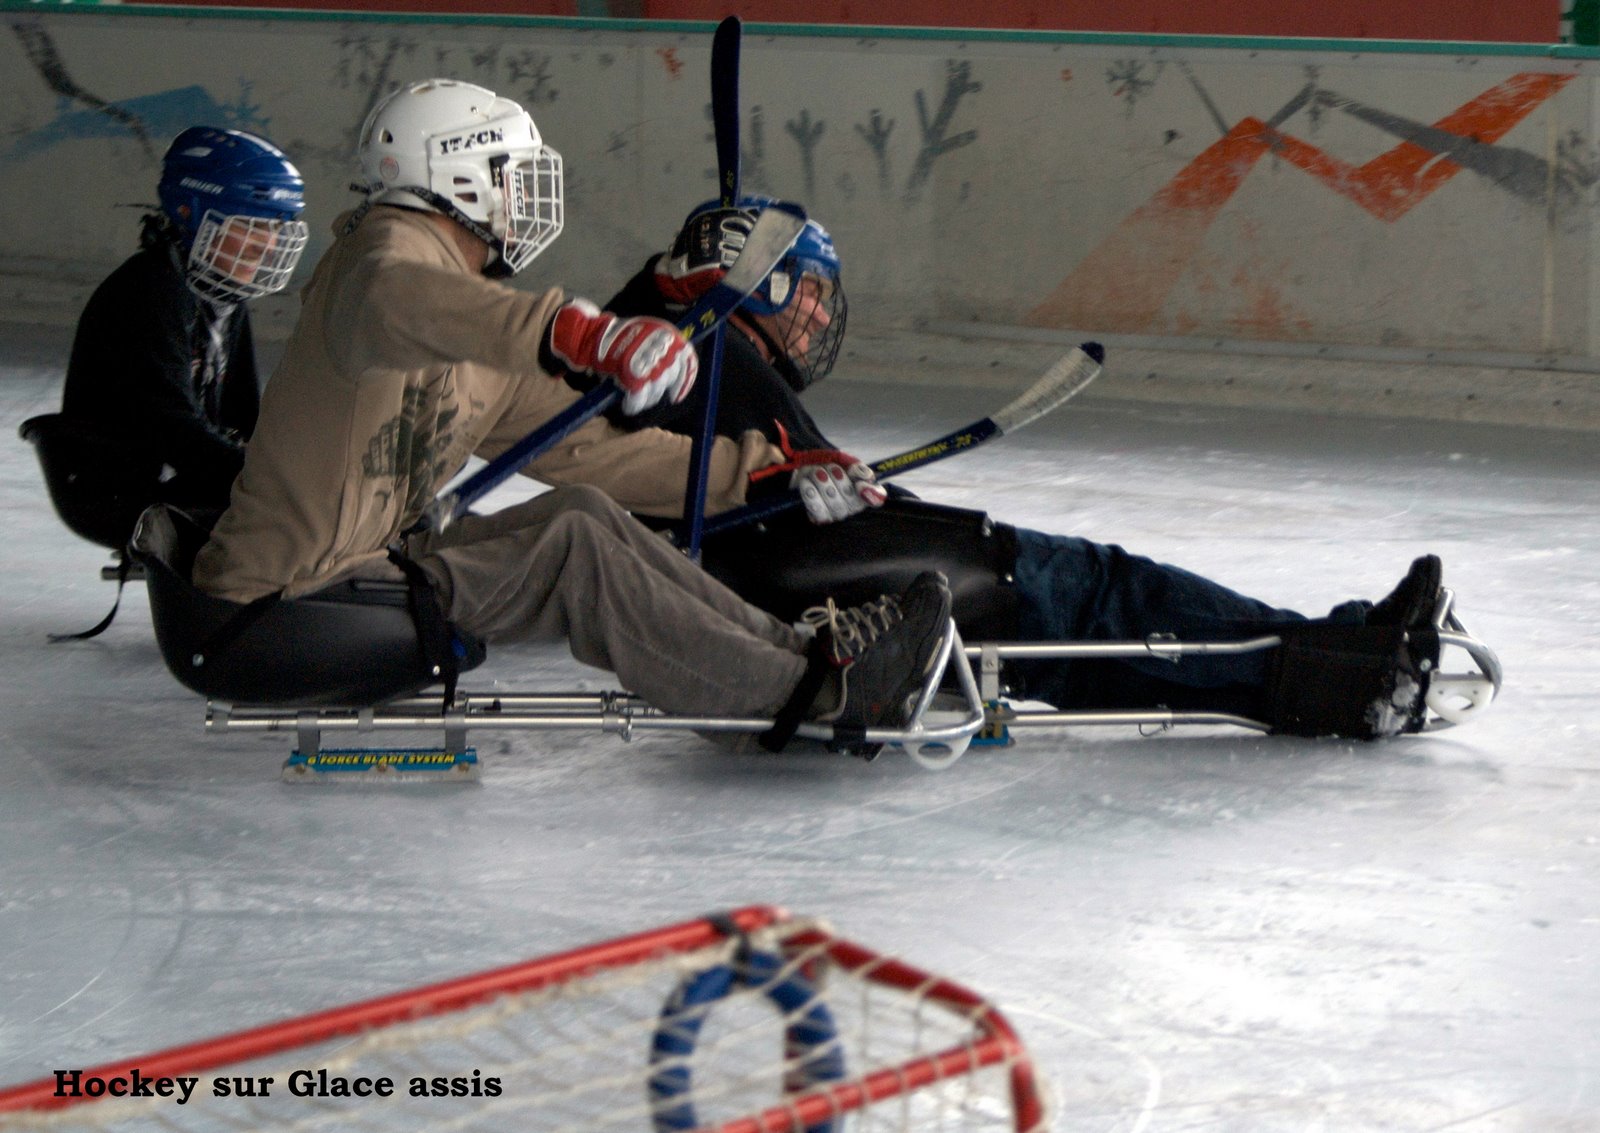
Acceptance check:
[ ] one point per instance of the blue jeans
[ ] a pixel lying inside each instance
(1071, 590)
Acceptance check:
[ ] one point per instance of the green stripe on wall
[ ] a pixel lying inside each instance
(824, 31)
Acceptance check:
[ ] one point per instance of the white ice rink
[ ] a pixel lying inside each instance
(1205, 929)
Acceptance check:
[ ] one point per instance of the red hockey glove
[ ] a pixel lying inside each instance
(647, 357)
(832, 484)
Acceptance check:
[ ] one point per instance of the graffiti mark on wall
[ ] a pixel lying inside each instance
(370, 63)
(876, 134)
(1577, 163)
(670, 60)
(1392, 184)
(158, 116)
(1130, 80)
(366, 62)
(1124, 282)
(807, 134)
(1205, 98)
(103, 118)
(936, 137)
(528, 72)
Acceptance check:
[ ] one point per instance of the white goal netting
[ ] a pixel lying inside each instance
(780, 1026)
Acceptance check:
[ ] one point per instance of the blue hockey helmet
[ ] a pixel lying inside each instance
(235, 201)
(230, 172)
(711, 239)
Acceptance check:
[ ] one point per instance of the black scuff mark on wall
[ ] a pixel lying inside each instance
(46, 59)
(807, 134)
(1518, 172)
(936, 137)
(876, 134)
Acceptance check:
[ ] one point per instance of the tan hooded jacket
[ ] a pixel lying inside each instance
(405, 361)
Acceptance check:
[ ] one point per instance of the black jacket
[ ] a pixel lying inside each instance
(136, 360)
(787, 563)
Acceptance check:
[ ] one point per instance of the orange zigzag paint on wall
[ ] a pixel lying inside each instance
(1123, 283)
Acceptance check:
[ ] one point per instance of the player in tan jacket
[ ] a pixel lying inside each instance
(409, 356)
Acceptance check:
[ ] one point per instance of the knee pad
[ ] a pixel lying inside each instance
(1361, 682)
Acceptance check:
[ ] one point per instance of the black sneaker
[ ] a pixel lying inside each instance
(1411, 602)
(887, 650)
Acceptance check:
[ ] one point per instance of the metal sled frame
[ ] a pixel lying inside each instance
(931, 738)
(936, 736)
(1453, 697)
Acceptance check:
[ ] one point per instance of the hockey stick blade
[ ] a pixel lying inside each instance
(773, 234)
(725, 106)
(1068, 377)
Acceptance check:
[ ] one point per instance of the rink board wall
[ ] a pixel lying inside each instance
(1344, 197)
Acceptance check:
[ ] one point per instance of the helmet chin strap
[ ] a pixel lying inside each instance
(775, 350)
(496, 267)
(778, 356)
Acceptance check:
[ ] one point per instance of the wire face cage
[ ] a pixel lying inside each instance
(753, 1022)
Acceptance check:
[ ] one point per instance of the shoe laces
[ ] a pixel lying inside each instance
(852, 629)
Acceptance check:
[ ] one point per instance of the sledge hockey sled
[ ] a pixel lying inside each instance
(356, 656)
(352, 659)
(940, 733)
(352, 662)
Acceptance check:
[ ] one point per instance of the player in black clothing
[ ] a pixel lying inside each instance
(163, 366)
(1362, 670)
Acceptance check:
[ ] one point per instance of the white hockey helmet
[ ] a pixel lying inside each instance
(463, 151)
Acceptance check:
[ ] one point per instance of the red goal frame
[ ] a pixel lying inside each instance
(997, 1041)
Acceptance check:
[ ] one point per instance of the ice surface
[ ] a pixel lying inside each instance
(1205, 929)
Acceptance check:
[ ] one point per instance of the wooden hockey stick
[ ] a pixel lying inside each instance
(1064, 380)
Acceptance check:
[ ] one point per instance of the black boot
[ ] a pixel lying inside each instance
(878, 655)
(888, 653)
(1411, 602)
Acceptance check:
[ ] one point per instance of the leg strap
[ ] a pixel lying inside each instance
(124, 566)
(1364, 682)
(448, 650)
(789, 718)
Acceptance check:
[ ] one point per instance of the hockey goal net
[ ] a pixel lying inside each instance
(753, 1022)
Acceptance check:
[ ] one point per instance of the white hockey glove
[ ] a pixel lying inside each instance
(832, 492)
(647, 357)
(832, 484)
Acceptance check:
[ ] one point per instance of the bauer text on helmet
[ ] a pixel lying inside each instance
(234, 200)
(463, 151)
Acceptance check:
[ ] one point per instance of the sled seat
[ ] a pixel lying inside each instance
(98, 480)
(355, 643)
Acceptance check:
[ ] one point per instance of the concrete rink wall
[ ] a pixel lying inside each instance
(1360, 226)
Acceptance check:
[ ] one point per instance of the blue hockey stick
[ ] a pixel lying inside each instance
(725, 128)
(775, 232)
(1064, 380)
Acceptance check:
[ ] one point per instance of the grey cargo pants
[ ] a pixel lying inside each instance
(571, 563)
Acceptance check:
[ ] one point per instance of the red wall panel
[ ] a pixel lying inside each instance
(1525, 21)
(1528, 21)
(436, 7)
